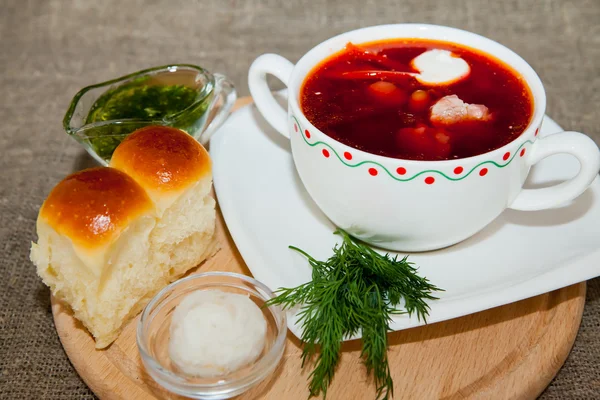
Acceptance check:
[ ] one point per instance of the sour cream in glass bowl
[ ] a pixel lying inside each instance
(190, 313)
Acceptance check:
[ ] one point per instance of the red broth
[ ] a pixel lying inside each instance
(389, 114)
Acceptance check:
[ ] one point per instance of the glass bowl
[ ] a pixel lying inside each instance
(153, 337)
(214, 99)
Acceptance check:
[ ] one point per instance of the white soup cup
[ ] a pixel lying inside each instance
(409, 205)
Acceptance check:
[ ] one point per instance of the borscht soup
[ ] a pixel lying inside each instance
(417, 99)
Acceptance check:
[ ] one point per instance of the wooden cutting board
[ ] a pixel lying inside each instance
(509, 352)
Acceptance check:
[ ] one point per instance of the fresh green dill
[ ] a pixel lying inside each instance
(357, 290)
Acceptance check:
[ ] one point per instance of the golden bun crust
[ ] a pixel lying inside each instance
(162, 159)
(93, 206)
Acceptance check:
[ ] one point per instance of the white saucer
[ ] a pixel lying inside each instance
(520, 255)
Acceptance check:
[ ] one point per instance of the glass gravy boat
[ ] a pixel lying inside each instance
(212, 104)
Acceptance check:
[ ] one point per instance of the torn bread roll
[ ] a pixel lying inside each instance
(175, 171)
(109, 238)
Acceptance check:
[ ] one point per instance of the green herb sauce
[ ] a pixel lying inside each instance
(143, 105)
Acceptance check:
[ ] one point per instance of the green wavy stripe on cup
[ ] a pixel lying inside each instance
(394, 176)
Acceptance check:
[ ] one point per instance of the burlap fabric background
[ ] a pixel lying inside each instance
(51, 48)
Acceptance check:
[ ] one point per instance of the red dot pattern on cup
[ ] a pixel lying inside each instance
(537, 131)
(429, 180)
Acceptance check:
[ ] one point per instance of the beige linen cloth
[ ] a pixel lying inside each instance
(49, 49)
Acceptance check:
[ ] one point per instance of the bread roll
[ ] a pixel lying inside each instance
(110, 238)
(175, 170)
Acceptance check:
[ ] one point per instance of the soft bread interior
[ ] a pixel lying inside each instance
(102, 303)
(184, 236)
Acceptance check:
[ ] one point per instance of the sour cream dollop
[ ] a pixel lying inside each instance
(214, 333)
(439, 67)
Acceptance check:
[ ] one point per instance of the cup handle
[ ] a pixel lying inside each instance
(574, 143)
(224, 91)
(259, 89)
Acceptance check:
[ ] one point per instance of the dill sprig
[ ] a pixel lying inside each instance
(355, 290)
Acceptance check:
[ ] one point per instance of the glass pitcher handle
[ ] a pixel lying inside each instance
(224, 92)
